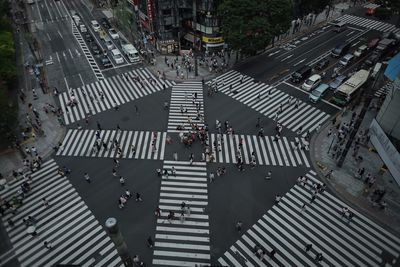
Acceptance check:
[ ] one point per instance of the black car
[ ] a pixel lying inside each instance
(371, 60)
(95, 49)
(323, 63)
(106, 62)
(301, 74)
(88, 37)
(105, 23)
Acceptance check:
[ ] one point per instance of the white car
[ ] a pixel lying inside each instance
(95, 25)
(113, 33)
(109, 44)
(361, 51)
(312, 82)
(116, 54)
(82, 27)
(346, 59)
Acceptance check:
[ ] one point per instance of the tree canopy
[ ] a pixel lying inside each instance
(306, 7)
(250, 25)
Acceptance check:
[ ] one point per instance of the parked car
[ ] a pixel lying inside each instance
(312, 82)
(301, 74)
(95, 49)
(361, 50)
(372, 43)
(333, 85)
(117, 56)
(82, 28)
(106, 62)
(105, 23)
(95, 25)
(318, 92)
(88, 37)
(323, 63)
(346, 59)
(340, 50)
(109, 44)
(371, 60)
(113, 33)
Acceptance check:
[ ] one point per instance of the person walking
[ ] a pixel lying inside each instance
(268, 176)
(329, 174)
(191, 158)
(277, 198)
(122, 180)
(175, 156)
(212, 177)
(87, 177)
(318, 257)
(238, 226)
(157, 212)
(114, 172)
(47, 245)
(116, 162)
(45, 202)
(173, 171)
(308, 247)
(138, 197)
(258, 122)
(150, 242)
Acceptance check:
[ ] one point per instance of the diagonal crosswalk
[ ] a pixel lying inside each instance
(114, 143)
(186, 107)
(109, 93)
(267, 150)
(67, 224)
(183, 241)
(369, 23)
(287, 228)
(294, 114)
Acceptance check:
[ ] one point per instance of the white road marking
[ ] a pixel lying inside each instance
(40, 15)
(58, 57)
(287, 57)
(48, 10)
(80, 76)
(70, 52)
(301, 61)
(273, 53)
(66, 83)
(48, 36)
(60, 34)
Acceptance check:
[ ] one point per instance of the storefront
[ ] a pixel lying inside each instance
(213, 43)
(167, 46)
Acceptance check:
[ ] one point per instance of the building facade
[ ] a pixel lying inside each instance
(174, 25)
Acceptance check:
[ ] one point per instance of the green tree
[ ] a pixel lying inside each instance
(250, 25)
(8, 73)
(8, 115)
(394, 6)
(306, 7)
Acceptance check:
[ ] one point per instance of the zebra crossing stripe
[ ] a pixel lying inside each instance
(81, 143)
(368, 23)
(268, 104)
(287, 228)
(67, 223)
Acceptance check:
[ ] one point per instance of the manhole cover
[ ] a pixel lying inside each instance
(126, 118)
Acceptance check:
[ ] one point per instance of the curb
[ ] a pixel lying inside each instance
(342, 196)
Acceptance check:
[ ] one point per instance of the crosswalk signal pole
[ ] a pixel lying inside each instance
(116, 237)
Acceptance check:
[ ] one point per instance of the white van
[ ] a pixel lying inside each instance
(117, 56)
(95, 25)
(376, 69)
(340, 26)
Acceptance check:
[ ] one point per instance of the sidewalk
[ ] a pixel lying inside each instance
(12, 158)
(343, 180)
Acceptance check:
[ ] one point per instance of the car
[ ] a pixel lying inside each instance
(372, 43)
(95, 25)
(312, 82)
(109, 44)
(113, 33)
(106, 62)
(370, 11)
(340, 50)
(117, 56)
(301, 74)
(95, 49)
(105, 23)
(333, 85)
(346, 59)
(318, 92)
(82, 28)
(88, 37)
(76, 18)
(371, 60)
(361, 50)
(322, 64)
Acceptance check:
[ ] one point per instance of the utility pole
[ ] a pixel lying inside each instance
(116, 236)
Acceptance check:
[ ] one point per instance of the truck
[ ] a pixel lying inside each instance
(385, 44)
(350, 88)
(131, 53)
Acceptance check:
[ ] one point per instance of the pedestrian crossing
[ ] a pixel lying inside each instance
(67, 224)
(295, 114)
(92, 62)
(382, 91)
(287, 228)
(186, 107)
(371, 5)
(109, 93)
(113, 144)
(281, 152)
(369, 23)
(185, 239)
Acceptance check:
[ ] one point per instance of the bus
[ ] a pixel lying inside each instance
(350, 88)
